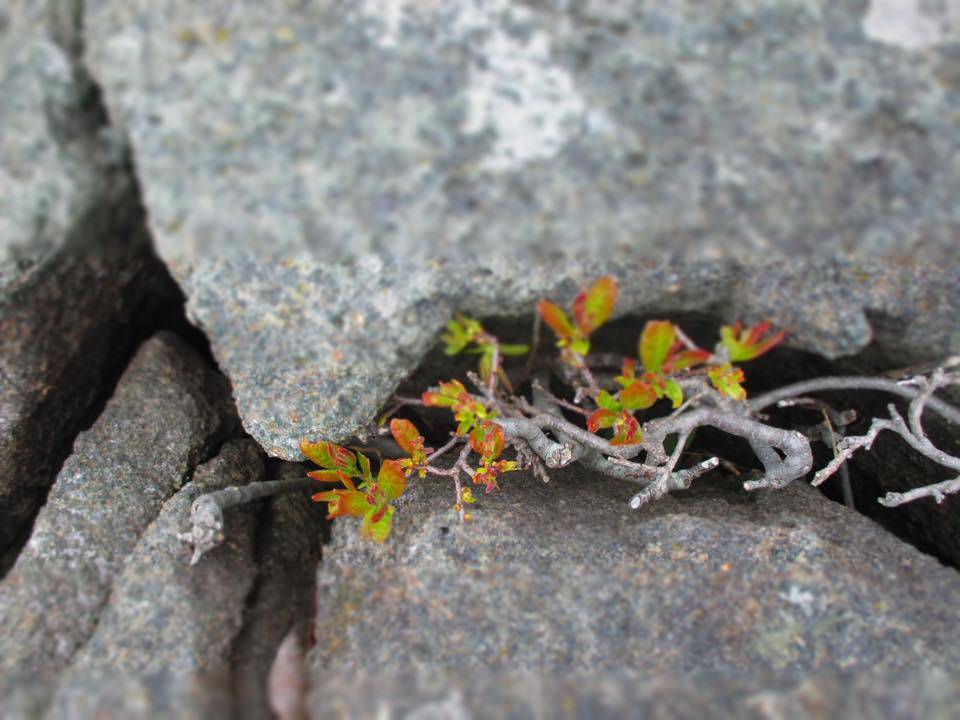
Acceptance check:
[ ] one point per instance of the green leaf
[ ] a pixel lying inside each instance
(658, 337)
(391, 479)
(330, 456)
(486, 363)
(580, 347)
(377, 523)
(608, 401)
(674, 392)
(364, 464)
(594, 307)
(514, 349)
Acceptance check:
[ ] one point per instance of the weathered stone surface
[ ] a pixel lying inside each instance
(562, 578)
(480, 694)
(169, 413)
(78, 277)
(484, 149)
(423, 126)
(168, 627)
(289, 538)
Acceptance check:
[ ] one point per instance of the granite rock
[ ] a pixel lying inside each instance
(561, 579)
(169, 413)
(78, 277)
(490, 152)
(168, 627)
(482, 695)
(428, 128)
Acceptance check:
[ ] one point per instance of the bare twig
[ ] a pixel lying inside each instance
(944, 409)
(206, 513)
(938, 491)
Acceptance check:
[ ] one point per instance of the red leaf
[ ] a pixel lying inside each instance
(657, 339)
(749, 344)
(554, 316)
(626, 430)
(594, 307)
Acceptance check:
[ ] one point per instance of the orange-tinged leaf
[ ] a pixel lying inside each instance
(391, 479)
(487, 440)
(685, 359)
(748, 344)
(594, 307)
(343, 502)
(638, 395)
(377, 523)
(329, 476)
(601, 418)
(330, 456)
(554, 316)
(727, 379)
(657, 339)
(406, 435)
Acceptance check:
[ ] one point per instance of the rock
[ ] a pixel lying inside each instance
(562, 580)
(78, 276)
(169, 413)
(492, 153)
(168, 627)
(289, 547)
(480, 694)
(424, 128)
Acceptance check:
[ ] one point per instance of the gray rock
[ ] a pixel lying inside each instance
(495, 152)
(480, 694)
(562, 579)
(169, 413)
(168, 627)
(427, 128)
(289, 539)
(78, 276)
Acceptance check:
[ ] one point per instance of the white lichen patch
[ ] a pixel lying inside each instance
(905, 23)
(529, 103)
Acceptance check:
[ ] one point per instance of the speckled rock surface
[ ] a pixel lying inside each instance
(78, 276)
(563, 578)
(168, 627)
(483, 695)
(169, 413)
(524, 143)
(409, 126)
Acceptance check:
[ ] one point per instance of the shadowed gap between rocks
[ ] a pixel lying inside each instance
(111, 239)
(890, 466)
